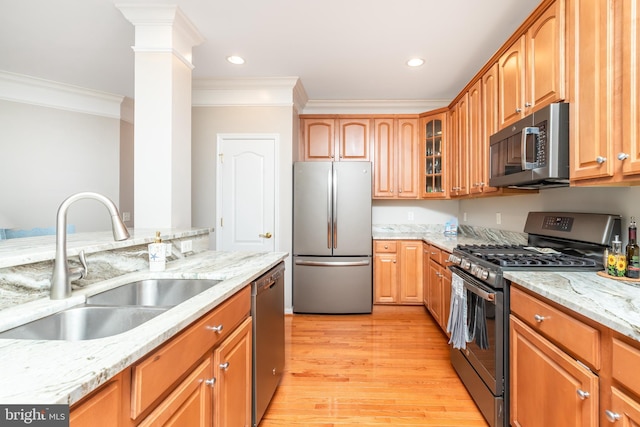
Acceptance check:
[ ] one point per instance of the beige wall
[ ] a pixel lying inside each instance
(49, 154)
(207, 123)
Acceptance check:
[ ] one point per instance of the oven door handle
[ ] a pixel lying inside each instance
(487, 296)
(473, 285)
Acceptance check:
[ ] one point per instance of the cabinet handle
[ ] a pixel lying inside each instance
(538, 318)
(400, 190)
(216, 329)
(528, 104)
(583, 394)
(518, 110)
(600, 160)
(225, 366)
(210, 382)
(623, 156)
(612, 416)
(386, 247)
(394, 261)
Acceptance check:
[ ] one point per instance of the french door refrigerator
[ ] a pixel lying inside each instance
(332, 246)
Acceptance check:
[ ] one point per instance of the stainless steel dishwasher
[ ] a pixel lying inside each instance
(267, 309)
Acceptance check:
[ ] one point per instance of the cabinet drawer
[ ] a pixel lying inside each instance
(388, 246)
(435, 254)
(152, 377)
(626, 360)
(576, 337)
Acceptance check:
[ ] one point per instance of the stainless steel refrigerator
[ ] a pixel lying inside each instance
(332, 247)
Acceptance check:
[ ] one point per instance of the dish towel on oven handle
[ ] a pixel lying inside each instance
(457, 324)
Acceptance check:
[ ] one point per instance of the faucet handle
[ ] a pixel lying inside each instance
(77, 273)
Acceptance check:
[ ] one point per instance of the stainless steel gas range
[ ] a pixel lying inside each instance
(557, 241)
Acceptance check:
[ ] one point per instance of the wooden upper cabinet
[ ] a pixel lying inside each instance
(489, 126)
(478, 160)
(384, 147)
(532, 70)
(396, 164)
(408, 175)
(458, 162)
(591, 64)
(318, 137)
(354, 143)
(433, 154)
(331, 139)
(630, 88)
(511, 83)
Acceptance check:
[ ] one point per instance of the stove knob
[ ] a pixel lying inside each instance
(454, 259)
(465, 264)
(484, 275)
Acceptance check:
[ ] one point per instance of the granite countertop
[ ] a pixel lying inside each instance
(612, 303)
(48, 372)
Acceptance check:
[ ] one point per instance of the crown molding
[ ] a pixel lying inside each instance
(272, 91)
(322, 106)
(46, 93)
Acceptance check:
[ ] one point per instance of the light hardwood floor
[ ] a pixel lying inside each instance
(389, 368)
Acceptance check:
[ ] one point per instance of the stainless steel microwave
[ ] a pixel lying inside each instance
(533, 152)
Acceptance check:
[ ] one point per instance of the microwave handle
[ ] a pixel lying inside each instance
(523, 147)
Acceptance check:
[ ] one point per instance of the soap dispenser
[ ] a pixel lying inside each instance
(157, 254)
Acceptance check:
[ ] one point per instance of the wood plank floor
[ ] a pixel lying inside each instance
(389, 368)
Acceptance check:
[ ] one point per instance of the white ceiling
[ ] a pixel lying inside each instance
(340, 49)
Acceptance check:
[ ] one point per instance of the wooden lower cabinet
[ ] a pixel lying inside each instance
(199, 378)
(569, 370)
(107, 400)
(189, 404)
(549, 388)
(397, 272)
(438, 285)
(232, 369)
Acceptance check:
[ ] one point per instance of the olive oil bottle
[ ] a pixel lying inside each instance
(633, 252)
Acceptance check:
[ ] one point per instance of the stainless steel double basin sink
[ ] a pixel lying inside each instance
(112, 312)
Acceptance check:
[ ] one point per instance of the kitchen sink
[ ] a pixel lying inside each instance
(84, 323)
(153, 292)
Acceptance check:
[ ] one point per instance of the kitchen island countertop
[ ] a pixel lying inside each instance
(49, 372)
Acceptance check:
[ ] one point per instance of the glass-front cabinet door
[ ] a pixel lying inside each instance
(433, 128)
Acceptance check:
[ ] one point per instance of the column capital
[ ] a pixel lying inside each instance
(162, 28)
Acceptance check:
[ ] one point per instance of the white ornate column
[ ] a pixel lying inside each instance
(164, 38)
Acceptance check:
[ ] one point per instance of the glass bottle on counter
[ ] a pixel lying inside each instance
(633, 252)
(617, 263)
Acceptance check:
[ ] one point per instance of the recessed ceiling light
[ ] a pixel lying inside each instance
(415, 62)
(237, 60)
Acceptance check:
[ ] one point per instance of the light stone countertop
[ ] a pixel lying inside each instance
(49, 372)
(612, 303)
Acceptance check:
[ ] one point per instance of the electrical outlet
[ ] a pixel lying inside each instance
(186, 246)
(410, 216)
(498, 218)
(464, 216)
(126, 216)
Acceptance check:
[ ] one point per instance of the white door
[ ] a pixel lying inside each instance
(246, 193)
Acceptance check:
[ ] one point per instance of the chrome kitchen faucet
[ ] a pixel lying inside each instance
(62, 274)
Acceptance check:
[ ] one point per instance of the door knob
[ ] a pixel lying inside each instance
(266, 235)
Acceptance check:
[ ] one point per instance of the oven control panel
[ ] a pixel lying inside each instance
(557, 223)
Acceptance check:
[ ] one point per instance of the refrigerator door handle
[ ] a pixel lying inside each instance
(328, 210)
(333, 264)
(335, 209)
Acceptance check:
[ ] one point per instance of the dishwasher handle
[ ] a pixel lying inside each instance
(269, 280)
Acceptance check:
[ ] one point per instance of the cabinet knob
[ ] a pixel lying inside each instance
(386, 246)
(394, 261)
(210, 382)
(600, 160)
(400, 190)
(224, 366)
(216, 329)
(612, 416)
(583, 394)
(518, 110)
(528, 104)
(538, 318)
(623, 156)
